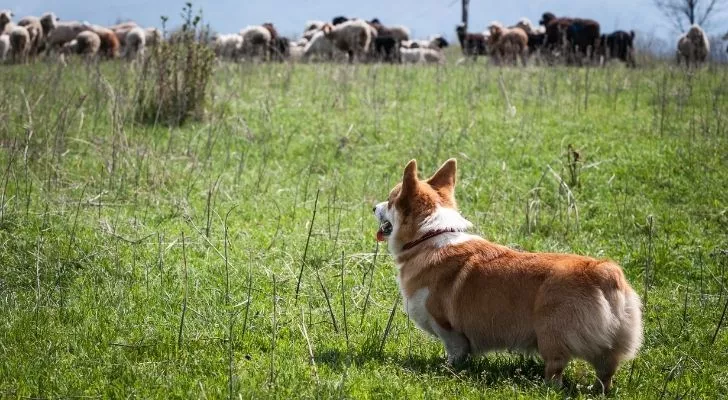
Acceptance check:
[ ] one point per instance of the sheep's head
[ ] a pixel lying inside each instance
(439, 42)
(270, 28)
(496, 30)
(695, 33)
(327, 28)
(525, 24)
(48, 22)
(546, 18)
(5, 17)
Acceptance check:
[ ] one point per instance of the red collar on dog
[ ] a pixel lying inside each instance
(428, 235)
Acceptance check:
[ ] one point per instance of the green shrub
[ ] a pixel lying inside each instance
(174, 78)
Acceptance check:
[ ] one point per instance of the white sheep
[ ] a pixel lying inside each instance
(135, 43)
(228, 47)
(353, 37)
(435, 42)
(20, 44)
(693, 46)
(422, 56)
(320, 48)
(87, 43)
(35, 30)
(4, 46)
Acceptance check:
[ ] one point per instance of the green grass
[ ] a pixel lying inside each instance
(116, 279)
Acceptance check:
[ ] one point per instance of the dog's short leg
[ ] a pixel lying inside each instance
(456, 344)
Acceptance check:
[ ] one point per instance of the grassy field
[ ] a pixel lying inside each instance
(235, 257)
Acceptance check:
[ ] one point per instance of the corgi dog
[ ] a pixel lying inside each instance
(477, 296)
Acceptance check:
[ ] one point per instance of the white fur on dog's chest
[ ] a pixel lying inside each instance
(416, 308)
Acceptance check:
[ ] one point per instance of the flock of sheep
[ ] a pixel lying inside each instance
(32, 36)
(555, 39)
(568, 40)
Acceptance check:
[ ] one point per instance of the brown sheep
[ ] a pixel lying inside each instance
(110, 46)
(507, 43)
(693, 46)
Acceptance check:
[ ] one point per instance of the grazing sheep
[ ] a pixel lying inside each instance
(20, 44)
(436, 42)
(87, 43)
(64, 32)
(693, 46)
(422, 56)
(472, 44)
(6, 22)
(320, 47)
(4, 46)
(35, 30)
(136, 40)
(620, 45)
(256, 41)
(578, 37)
(228, 47)
(507, 43)
(110, 45)
(353, 37)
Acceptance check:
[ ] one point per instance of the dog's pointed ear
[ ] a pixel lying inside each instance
(409, 179)
(444, 178)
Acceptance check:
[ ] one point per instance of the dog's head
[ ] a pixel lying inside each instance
(417, 208)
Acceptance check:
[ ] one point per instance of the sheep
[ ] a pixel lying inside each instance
(422, 56)
(228, 47)
(436, 42)
(87, 43)
(20, 44)
(353, 37)
(64, 32)
(110, 45)
(472, 44)
(256, 40)
(4, 46)
(693, 46)
(35, 30)
(136, 40)
(398, 32)
(507, 42)
(320, 47)
(6, 22)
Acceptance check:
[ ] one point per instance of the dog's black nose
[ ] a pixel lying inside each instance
(374, 209)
